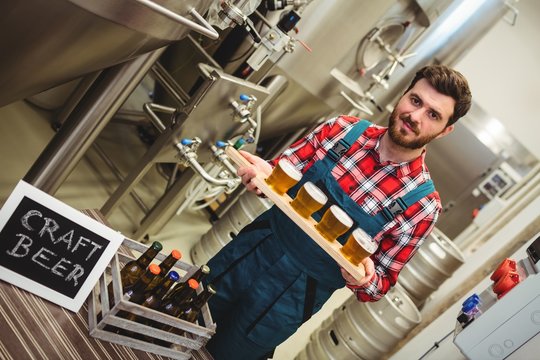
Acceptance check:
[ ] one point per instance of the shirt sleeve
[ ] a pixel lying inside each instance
(397, 247)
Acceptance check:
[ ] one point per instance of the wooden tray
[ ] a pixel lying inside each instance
(308, 225)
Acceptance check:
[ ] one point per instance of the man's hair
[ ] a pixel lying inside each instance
(449, 82)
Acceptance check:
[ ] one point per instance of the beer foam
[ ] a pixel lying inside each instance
(364, 240)
(290, 169)
(315, 192)
(341, 215)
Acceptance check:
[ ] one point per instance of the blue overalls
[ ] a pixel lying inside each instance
(262, 274)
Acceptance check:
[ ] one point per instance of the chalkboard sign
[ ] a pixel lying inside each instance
(51, 249)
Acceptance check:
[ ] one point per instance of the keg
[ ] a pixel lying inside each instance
(435, 261)
(364, 330)
(243, 212)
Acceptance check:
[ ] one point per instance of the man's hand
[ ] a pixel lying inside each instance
(248, 172)
(370, 271)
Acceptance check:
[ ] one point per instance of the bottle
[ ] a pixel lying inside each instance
(173, 306)
(191, 312)
(134, 269)
(199, 276)
(165, 266)
(153, 298)
(137, 290)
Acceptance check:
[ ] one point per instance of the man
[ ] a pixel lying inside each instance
(272, 277)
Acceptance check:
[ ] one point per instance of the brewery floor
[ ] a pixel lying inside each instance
(25, 130)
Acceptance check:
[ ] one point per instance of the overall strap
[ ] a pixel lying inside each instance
(401, 204)
(343, 145)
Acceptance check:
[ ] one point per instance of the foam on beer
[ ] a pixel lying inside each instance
(290, 169)
(364, 240)
(341, 215)
(315, 192)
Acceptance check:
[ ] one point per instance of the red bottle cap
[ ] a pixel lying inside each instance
(176, 254)
(154, 269)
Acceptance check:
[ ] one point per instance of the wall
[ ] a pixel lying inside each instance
(502, 73)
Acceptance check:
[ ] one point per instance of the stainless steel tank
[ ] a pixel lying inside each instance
(47, 43)
(364, 330)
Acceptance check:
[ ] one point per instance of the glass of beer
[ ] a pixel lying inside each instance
(358, 246)
(334, 222)
(308, 200)
(283, 177)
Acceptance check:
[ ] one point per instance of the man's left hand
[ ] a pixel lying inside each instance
(369, 272)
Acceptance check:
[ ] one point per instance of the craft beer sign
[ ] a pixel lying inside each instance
(51, 249)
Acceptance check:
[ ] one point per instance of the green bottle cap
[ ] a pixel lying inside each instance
(157, 245)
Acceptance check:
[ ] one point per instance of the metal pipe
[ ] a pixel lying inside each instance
(169, 84)
(118, 174)
(84, 124)
(156, 121)
(199, 170)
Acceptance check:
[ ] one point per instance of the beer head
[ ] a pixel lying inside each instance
(358, 246)
(284, 176)
(341, 216)
(364, 240)
(308, 200)
(289, 169)
(315, 193)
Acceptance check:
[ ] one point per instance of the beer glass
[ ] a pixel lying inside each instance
(283, 177)
(334, 222)
(308, 200)
(358, 246)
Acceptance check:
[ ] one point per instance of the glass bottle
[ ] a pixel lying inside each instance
(193, 309)
(173, 306)
(137, 290)
(199, 276)
(134, 269)
(165, 266)
(154, 297)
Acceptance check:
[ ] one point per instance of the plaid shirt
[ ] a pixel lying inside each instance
(374, 185)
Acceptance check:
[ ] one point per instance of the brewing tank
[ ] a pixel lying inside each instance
(47, 43)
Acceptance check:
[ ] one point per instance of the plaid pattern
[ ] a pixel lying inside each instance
(374, 185)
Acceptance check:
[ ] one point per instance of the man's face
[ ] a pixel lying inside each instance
(420, 116)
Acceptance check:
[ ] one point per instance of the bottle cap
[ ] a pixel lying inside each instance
(176, 254)
(157, 245)
(154, 269)
(211, 289)
(194, 284)
(205, 269)
(173, 275)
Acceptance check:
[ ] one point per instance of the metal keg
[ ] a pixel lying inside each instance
(243, 212)
(364, 330)
(435, 261)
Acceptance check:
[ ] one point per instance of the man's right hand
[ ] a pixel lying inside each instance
(258, 165)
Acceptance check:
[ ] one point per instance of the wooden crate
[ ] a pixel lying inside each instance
(103, 317)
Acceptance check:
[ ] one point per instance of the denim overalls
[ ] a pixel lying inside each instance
(262, 275)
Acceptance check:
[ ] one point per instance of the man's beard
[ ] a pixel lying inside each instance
(399, 138)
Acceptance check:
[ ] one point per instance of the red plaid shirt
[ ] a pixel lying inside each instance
(374, 185)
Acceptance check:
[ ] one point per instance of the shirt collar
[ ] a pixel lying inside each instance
(374, 135)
